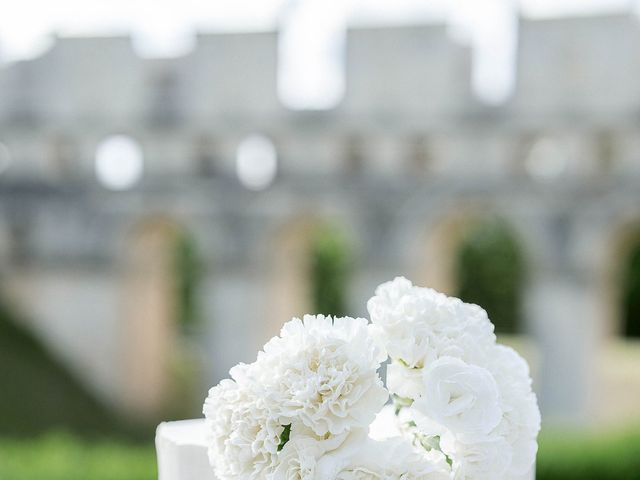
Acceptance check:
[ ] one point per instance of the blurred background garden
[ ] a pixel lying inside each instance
(178, 180)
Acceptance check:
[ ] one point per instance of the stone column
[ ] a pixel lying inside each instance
(149, 329)
(233, 307)
(562, 313)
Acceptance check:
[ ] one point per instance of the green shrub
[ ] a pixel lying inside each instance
(330, 268)
(187, 272)
(490, 272)
(631, 295)
(63, 457)
(39, 393)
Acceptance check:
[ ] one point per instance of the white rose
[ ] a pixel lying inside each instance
(391, 459)
(462, 397)
(524, 456)
(488, 459)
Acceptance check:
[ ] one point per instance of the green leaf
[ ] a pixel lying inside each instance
(284, 436)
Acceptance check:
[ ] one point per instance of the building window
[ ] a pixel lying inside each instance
(256, 162)
(119, 162)
(418, 154)
(63, 155)
(546, 159)
(355, 154)
(205, 156)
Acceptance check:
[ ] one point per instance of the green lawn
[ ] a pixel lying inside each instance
(575, 456)
(63, 457)
(590, 456)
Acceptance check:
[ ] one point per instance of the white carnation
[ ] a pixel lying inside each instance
(244, 436)
(297, 459)
(418, 325)
(323, 372)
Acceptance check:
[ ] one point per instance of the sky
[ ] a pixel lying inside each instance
(312, 31)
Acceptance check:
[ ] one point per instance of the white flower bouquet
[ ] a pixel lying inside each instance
(312, 406)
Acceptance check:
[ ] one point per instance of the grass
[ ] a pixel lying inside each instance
(562, 456)
(589, 455)
(64, 457)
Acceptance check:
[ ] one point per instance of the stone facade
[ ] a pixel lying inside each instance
(404, 165)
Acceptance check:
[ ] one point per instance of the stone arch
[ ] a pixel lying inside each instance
(438, 245)
(624, 248)
(616, 356)
(151, 314)
(291, 291)
(469, 236)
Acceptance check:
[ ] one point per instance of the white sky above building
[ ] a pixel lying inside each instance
(313, 31)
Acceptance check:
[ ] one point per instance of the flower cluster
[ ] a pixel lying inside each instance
(457, 391)
(305, 409)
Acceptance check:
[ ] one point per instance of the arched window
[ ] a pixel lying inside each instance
(546, 159)
(309, 272)
(5, 157)
(256, 162)
(606, 151)
(418, 155)
(63, 155)
(119, 162)
(490, 272)
(354, 154)
(631, 294)
(205, 156)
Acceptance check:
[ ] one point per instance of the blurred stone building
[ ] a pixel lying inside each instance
(404, 166)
